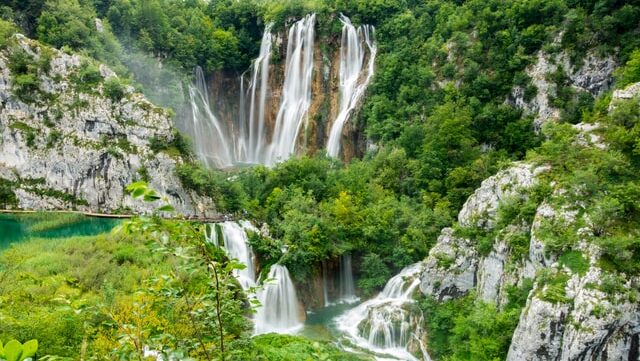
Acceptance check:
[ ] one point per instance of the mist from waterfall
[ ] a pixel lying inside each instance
(236, 244)
(387, 324)
(279, 311)
(353, 77)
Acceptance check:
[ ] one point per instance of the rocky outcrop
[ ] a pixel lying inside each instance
(571, 314)
(593, 75)
(629, 92)
(592, 325)
(75, 146)
(480, 209)
(454, 266)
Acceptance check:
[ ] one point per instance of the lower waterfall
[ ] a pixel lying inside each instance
(388, 324)
(236, 243)
(347, 287)
(280, 311)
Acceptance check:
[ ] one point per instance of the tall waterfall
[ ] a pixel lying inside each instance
(236, 244)
(246, 139)
(296, 92)
(387, 324)
(279, 311)
(347, 287)
(211, 137)
(253, 139)
(353, 78)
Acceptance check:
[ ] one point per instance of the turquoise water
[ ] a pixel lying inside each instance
(18, 227)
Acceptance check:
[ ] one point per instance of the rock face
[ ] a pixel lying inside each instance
(592, 326)
(73, 147)
(585, 323)
(454, 266)
(593, 76)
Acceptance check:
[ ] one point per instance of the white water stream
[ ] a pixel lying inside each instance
(356, 42)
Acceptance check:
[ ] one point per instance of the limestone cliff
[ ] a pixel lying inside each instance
(73, 136)
(571, 313)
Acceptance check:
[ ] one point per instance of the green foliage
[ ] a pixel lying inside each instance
(8, 198)
(227, 196)
(24, 75)
(470, 329)
(16, 351)
(375, 273)
(275, 347)
(575, 261)
(115, 89)
(7, 30)
(630, 72)
(552, 286)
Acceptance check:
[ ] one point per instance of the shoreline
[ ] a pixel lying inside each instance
(221, 218)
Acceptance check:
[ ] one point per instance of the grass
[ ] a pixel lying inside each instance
(49, 290)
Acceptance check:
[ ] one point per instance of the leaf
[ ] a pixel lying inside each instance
(13, 350)
(137, 185)
(29, 348)
(1, 350)
(166, 208)
(137, 192)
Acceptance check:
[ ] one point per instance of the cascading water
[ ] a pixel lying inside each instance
(296, 92)
(211, 137)
(353, 78)
(388, 324)
(347, 288)
(236, 244)
(279, 311)
(223, 144)
(253, 140)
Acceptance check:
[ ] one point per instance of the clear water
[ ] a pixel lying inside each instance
(15, 227)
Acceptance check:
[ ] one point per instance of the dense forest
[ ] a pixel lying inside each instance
(449, 107)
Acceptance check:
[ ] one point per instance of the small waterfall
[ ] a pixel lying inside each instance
(347, 288)
(296, 92)
(353, 78)
(280, 311)
(325, 286)
(236, 244)
(388, 324)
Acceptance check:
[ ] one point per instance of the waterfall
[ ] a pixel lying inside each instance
(353, 78)
(347, 288)
(236, 244)
(211, 137)
(252, 132)
(388, 324)
(325, 291)
(296, 92)
(279, 311)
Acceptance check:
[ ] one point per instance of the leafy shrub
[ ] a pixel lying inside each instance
(7, 30)
(115, 89)
(575, 261)
(374, 273)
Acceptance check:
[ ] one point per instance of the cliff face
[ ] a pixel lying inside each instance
(571, 313)
(76, 137)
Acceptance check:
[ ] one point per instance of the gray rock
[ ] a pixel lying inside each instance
(85, 146)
